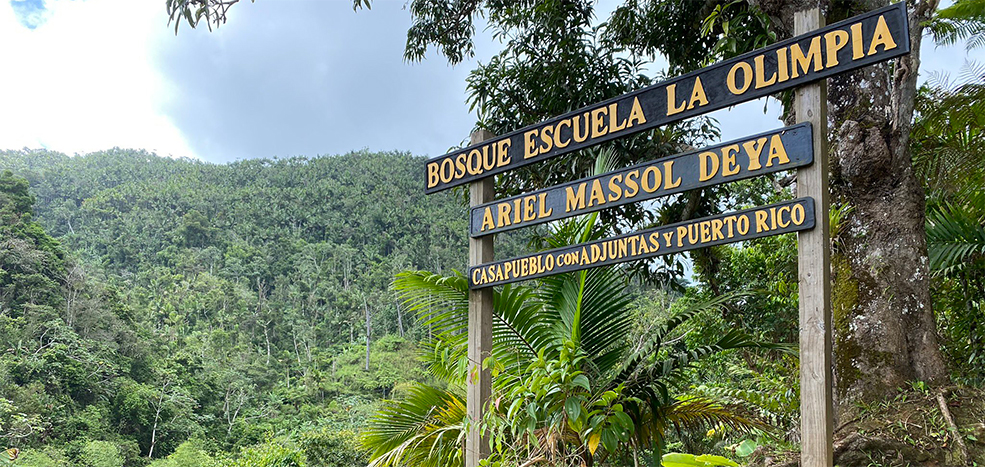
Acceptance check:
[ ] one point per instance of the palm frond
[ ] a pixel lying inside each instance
(658, 336)
(955, 236)
(424, 429)
(700, 413)
(965, 19)
(520, 327)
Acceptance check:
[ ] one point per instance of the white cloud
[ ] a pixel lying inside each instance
(83, 80)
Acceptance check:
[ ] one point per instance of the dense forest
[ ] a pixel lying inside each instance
(309, 311)
(147, 301)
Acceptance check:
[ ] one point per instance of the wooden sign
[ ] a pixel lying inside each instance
(764, 221)
(769, 152)
(863, 40)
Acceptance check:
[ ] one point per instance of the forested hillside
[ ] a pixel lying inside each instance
(146, 301)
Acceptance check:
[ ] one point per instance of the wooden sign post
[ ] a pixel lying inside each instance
(479, 381)
(801, 63)
(814, 271)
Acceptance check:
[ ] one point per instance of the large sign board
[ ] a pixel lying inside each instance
(769, 152)
(764, 221)
(818, 52)
(869, 38)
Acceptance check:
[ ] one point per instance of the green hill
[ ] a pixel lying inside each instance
(148, 301)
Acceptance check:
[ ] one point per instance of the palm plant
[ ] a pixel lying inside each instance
(948, 137)
(964, 20)
(568, 386)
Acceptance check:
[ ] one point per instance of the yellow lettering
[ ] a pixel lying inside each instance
(574, 200)
(777, 151)
(488, 160)
(547, 139)
(529, 210)
(529, 145)
(797, 214)
(432, 174)
(681, 233)
(705, 231)
(716, 230)
(614, 125)
(729, 166)
(447, 170)
(503, 219)
(541, 203)
(557, 134)
(654, 242)
(729, 222)
(833, 42)
(579, 137)
(614, 188)
(460, 165)
(487, 220)
(474, 163)
(651, 179)
(708, 164)
(597, 197)
(779, 215)
(781, 65)
(761, 81)
(857, 45)
(746, 78)
(598, 123)
(882, 37)
(761, 225)
(669, 181)
(672, 107)
(632, 186)
(697, 95)
(753, 152)
(636, 116)
(475, 276)
(803, 62)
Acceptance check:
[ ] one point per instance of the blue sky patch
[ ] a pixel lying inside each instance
(30, 13)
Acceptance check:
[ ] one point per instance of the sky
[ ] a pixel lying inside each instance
(282, 78)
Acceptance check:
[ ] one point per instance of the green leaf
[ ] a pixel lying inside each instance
(532, 410)
(675, 459)
(581, 381)
(610, 440)
(709, 459)
(746, 448)
(572, 406)
(623, 421)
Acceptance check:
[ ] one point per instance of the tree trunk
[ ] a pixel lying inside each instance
(884, 327)
(368, 331)
(400, 320)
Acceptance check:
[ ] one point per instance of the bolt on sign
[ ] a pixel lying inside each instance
(873, 37)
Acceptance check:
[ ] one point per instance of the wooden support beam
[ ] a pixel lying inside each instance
(480, 325)
(814, 263)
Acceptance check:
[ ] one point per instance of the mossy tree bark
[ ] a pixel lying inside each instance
(885, 333)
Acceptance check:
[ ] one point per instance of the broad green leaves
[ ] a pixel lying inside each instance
(690, 460)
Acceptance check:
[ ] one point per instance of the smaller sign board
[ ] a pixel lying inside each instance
(773, 151)
(763, 221)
